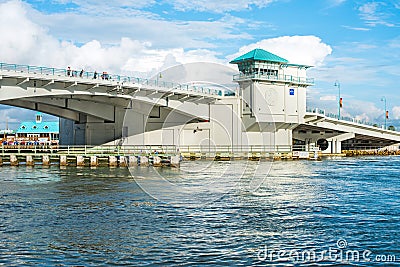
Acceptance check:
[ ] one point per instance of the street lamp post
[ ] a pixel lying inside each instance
(385, 112)
(337, 84)
(159, 76)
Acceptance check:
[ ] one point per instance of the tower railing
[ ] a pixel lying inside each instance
(278, 78)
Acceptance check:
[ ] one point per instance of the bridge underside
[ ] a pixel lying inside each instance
(306, 134)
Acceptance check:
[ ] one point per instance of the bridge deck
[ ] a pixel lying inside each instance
(27, 72)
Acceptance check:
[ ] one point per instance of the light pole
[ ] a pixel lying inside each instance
(385, 112)
(159, 76)
(339, 100)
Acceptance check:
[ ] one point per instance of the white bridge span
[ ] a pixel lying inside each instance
(268, 109)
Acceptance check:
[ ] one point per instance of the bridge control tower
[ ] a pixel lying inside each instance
(273, 91)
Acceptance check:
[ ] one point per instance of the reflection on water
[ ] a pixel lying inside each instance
(92, 217)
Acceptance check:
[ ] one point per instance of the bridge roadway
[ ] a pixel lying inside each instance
(98, 104)
(53, 91)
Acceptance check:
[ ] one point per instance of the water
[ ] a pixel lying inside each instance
(328, 210)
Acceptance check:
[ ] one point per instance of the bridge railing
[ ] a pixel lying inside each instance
(335, 116)
(105, 76)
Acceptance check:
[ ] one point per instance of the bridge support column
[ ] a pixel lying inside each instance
(335, 143)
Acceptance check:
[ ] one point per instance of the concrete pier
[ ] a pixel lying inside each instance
(112, 161)
(133, 161)
(46, 160)
(157, 161)
(144, 161)
(80, 161)
(13, 160)
(93, 161)
(63, 160)
(122, 161)
(175, 161)
(29, 161)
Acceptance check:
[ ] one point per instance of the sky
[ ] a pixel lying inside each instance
(356, 43)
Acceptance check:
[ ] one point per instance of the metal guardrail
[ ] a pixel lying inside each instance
(335, 116)
(282, 78)
(108, 77)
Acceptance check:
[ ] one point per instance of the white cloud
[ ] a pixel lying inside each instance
(219, 6)
(34, 45)
(396, 112)
(357, 28)
(307, 50)
(374, 15)
(328, 98)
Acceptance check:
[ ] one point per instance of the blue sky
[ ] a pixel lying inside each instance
(354, 42)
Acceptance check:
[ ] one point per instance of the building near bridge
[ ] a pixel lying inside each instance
(38, 132)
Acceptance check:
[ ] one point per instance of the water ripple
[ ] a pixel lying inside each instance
(101, 217)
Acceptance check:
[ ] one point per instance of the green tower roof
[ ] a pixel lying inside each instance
(259, 55)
